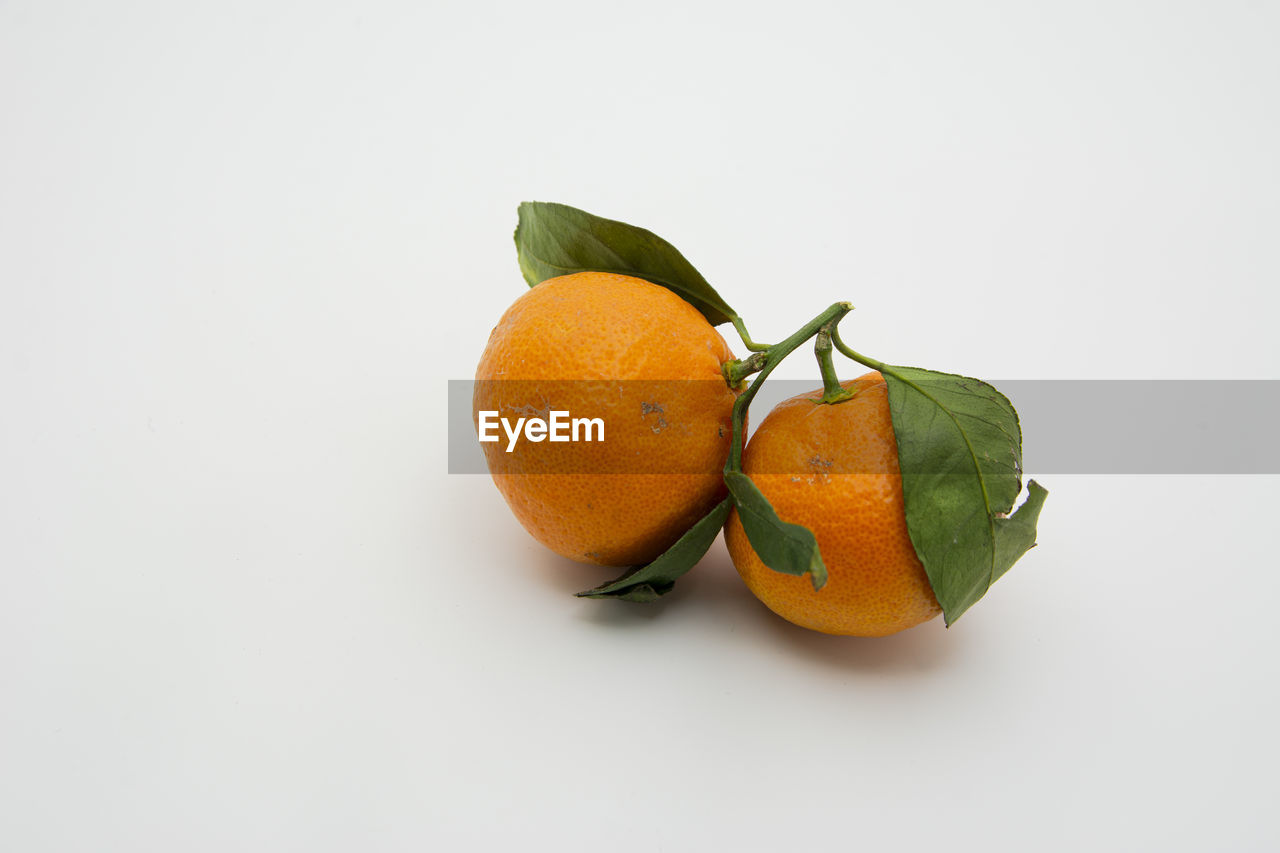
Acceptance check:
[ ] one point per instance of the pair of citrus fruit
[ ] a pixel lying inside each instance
(596, 343)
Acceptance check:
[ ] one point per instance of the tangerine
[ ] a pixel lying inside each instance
(649, 366)
(833, 467)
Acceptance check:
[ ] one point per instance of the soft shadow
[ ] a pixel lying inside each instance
(919, 649)
(565, 577)
(509, 545)
(709, 585)
(716, 586)
(623, 614)
(713, 587)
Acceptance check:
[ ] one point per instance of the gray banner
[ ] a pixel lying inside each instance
(1221, 426)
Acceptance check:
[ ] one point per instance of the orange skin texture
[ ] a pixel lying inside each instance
(649, 364)
(834, 469)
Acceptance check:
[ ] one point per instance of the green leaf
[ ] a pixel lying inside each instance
(960, 451)
(1016, 535)
(555, 239)
(650, 582)
(782, 546)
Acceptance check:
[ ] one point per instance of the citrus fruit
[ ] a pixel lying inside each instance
(833, 467)
(644, 362)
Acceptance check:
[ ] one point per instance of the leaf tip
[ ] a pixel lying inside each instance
(817, 569)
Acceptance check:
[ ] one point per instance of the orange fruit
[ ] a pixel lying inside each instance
(648, 365)
(834, 469)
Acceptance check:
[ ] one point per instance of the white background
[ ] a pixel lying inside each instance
(243, 246)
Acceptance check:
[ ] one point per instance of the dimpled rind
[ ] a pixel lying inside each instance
(604, 344)
(834, 469)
